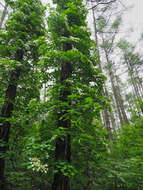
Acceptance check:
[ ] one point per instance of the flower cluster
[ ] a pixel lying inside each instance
(36, 165)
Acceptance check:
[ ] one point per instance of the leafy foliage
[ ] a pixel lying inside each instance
(97, 162)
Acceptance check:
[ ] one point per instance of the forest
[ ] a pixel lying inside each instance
(71, 97)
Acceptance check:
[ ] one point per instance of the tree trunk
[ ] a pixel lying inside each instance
(63, 144)
(140, 85)
(135, 87)
(116, 98)
(3, 15)
(121, 102)
(6, 113)
(105, 114)
(114, 127)
(114, 89)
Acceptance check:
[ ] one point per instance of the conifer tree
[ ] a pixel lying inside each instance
(132, 61)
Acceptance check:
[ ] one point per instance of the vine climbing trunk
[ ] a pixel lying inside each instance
(63, 144)
(18, 34)
(5, 114)
(67, 26)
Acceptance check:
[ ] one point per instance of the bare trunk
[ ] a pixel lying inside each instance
(105, 114)
(114, 89)
(140, 85)
(114, 127)
(3, 16)
(107, 117)
(121, 102)
(117, 102)
(135, 87)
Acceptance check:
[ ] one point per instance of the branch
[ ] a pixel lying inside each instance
(1, 4)
(102, 3)
(122, 4)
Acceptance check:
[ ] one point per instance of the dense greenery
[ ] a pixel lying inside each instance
(53, 102)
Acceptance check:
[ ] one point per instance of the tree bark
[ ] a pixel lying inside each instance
(121, 102)
(6, 113)
(63, 144)
(105, 114)
(135, 87)
(140, 85)
(116, 91)
(3, 15)
(114, 127)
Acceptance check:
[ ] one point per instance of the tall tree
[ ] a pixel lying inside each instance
(105, 113)
(133, 61)
(25, 24)
(106, 28)
(108, 48)
(74, 82)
